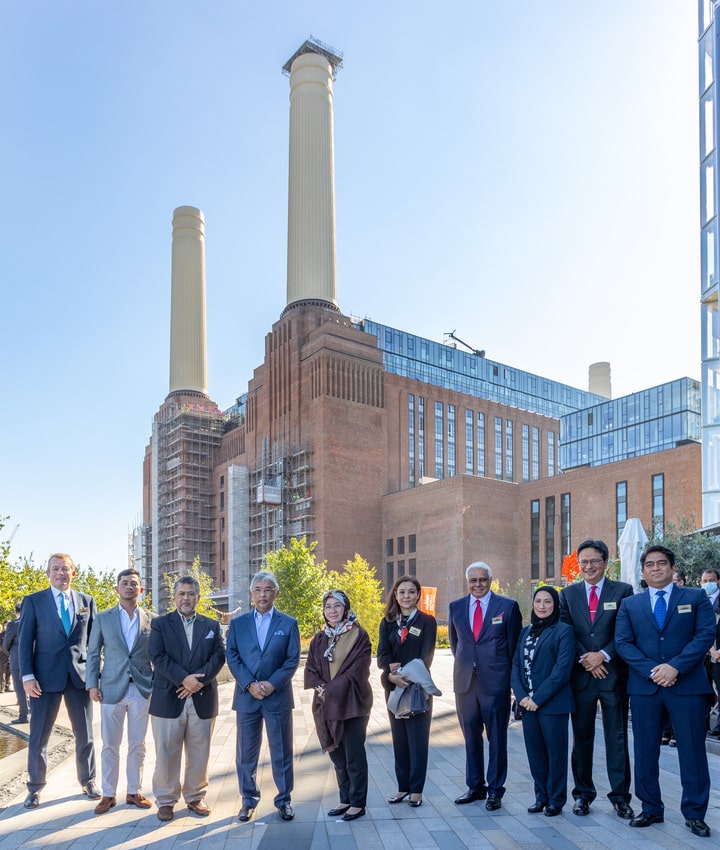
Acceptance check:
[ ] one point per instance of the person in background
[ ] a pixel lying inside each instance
(11, 644)
(710, 583)
(338, 669)
(406, 633)
(540, 681)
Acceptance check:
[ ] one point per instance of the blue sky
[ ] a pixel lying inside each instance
(523, 174)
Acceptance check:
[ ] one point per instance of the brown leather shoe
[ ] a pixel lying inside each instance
(199, 807)
(105, 804)
(138, 800)
(165, 813)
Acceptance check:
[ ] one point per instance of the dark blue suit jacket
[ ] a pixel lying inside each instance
(275, 663)
(46, 652)
(173, 660)
(493, 652)
(683, 642)
(551, 667)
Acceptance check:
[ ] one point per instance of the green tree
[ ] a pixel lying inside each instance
(207, 588)
(694, 551)
(100, 586)
(302, 583)
(364, 592)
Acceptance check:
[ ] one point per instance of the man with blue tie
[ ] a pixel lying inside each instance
(664, 635)
(54, 630)
(263, 652)
(483, 628)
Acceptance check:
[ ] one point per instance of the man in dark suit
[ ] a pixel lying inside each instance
(484, 628)
(119, 677)
(187, 653)
(710, 583)
(11, 644)
(664, 635)
(54, 629)
(263, 650)
(599, 676)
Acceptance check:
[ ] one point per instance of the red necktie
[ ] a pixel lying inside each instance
(593, 602)
(477, 620)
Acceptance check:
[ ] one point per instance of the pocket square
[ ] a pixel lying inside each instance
(210, 634)
(280, 632)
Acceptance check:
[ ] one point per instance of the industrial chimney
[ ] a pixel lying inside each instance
(599, 379)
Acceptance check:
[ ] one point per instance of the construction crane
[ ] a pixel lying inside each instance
(475, 351)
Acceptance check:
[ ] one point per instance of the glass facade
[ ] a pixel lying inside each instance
(498, 447)
(451, 440)
(708, 67)
(469, 445)
(658, 503)
(621, 509)
(525, 452)
(445, 366)
(550, 536)
(638, 424)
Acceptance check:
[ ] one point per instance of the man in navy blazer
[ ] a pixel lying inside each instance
(54, 630)
(599, 676)
(664, 635)
(484, 629)
(187, 653)
(263, 652)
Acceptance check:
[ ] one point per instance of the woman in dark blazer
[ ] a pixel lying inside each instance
(338, 668)
(541, 684)
(406, 633)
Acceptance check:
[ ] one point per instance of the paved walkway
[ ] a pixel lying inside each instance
(65, 818)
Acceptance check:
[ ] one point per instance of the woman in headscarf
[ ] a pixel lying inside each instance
(406, 633)
(338, 668)
(541, 684)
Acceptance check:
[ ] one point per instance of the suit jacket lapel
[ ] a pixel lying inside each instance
(176, 624)
(53, 611)
(271, 629)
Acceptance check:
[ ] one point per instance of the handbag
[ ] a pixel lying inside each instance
(413, 701)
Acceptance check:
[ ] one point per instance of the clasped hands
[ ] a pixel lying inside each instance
(664, 675)
(260, 690)
(595, 664)
(529, 704)
(191, 684)
(396, 678)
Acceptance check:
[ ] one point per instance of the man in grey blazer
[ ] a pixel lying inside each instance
(599, 676)
(119, 677)
(263, 651)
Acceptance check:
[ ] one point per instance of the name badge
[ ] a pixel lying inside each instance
(414, 630)
(497, 621)
(84, 611)
(684, 609)
(609, 606)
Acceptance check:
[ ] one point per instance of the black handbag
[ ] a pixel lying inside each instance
(413, 701)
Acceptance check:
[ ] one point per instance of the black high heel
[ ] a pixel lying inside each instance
(398, 798)
(416, 803)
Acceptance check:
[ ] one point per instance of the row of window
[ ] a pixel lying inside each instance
(658, 505)
(390, 545)
(551, 518)
(402, 570)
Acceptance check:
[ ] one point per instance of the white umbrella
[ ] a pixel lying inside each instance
(631, 543)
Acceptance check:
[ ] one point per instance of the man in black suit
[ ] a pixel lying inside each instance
(54, 630)
(710, 583)
(11, 644)
(187, 652)
(664, 635)
(599, 676)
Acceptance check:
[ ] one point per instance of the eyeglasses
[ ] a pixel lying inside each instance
(663, 563)
(592, 562)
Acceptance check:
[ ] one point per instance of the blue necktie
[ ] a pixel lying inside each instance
(660, 608)
(64, 614)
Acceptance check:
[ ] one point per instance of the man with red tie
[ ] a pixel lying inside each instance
(599, 676)
(484, 629)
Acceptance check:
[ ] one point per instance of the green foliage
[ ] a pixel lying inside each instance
(207, 588)
(101, 587)
(520, 592)
(302, 583)
(694, 551)
(442, 639)
(364, 592)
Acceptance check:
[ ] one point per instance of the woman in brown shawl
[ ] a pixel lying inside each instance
(338, 668)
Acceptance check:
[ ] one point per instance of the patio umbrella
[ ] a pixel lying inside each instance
(631, 543)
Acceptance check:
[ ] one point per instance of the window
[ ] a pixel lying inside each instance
(551, 454)
(389, 547)
(451, 440)
(468, 442)
(535, 453)
(525, 452)
(222, 523)
(439, 440)
(401, 568)
(222, 550)
(222, 480)
(658, 503)
(222, 501)
(565, 525)
(620, 507)
(508, 450)
(389, 574)
(421, 436)
(498, 447)
(401, 545)
(411, 440)
(412, 542)
(480, 438)
(535, 539)
(412, 567)
(550, 536)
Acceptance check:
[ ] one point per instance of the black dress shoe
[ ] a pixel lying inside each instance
(91, 790)
(698, 827)
(32, 801)
(552, 811)
(246, 813)
(624, 810)
(493, 803)
(17, 720)
(470, 797)
(646, 819)
(536, 808)
(714, 733)
(354, 815)
(581, 807)
(341, 809)
(286, 811)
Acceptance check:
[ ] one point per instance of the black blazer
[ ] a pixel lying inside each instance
(420, 643)
(173, 660)
(598, 635)
(551, 666)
